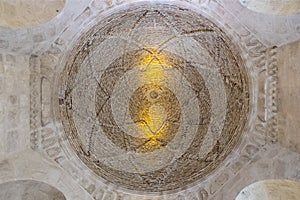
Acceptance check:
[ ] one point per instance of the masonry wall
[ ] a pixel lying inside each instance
(289, 95)
(14, 103)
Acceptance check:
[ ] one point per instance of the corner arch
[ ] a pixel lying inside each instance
(29, 190)
(17, 14)
(273, 189)
(272, 7)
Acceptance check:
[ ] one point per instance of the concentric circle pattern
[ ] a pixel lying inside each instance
(153, 98)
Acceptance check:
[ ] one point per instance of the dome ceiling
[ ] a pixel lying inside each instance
(140, 100)
(154, 98)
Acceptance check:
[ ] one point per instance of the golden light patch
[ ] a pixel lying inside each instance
(155, 111)
(154, 117)
(153, 64)
(154, 58)
(154, 74)
(153, 121)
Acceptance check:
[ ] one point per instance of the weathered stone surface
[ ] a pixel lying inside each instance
(272, 6)
(289, 84)
(162, 109)
(201, 44)
(29, 190)
(20, 14)
(271, 190)
(4, 44)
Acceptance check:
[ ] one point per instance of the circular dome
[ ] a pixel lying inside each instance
(154, 98)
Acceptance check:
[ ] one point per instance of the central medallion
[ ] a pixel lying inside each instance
(154, 98)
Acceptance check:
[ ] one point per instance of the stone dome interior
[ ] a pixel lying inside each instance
(140, 100)
(172, 97)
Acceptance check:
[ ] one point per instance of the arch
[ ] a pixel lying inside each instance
(271, 190)
(272, 7)
(29, 190)
(23, 14)
(30, 165)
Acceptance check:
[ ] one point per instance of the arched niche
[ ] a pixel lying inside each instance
(23, 14)
(273, 6)
(271, 190)
(29, 190)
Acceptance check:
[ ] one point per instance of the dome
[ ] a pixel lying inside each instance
(154, 98)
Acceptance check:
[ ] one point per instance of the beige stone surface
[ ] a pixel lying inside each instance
(272, 30)
(36, 145)
(14, 102)
(289, 95)
(20, 14)
(271, 190)
(29, 190)
(30, 165)
(273, 6)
